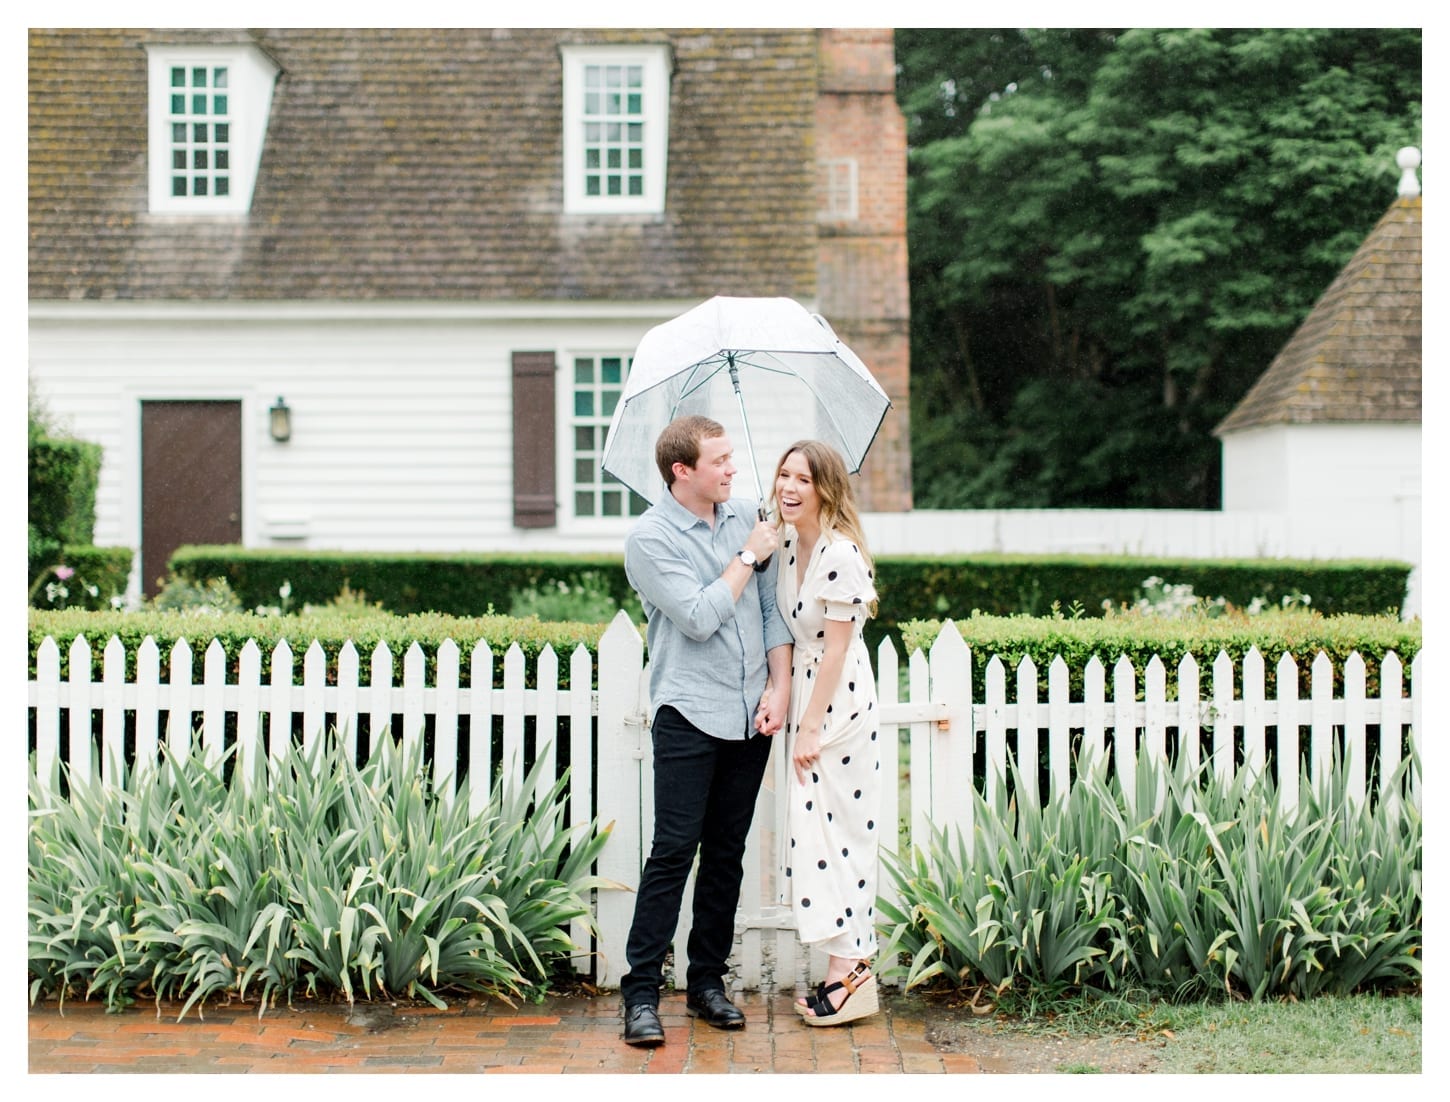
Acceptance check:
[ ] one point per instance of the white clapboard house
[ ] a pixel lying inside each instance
(378, 289)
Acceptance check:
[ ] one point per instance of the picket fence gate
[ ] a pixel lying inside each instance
(950, 733)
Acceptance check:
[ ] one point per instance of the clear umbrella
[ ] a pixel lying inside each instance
(767, 369)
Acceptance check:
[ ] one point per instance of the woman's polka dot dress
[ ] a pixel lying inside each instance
(832, 827)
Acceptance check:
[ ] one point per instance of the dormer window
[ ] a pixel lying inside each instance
(208, 108)
(616, 128)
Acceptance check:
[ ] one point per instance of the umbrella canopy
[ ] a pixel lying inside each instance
(767, 369)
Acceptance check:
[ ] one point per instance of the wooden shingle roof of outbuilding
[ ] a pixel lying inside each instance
(1357, 355)
(417, 164)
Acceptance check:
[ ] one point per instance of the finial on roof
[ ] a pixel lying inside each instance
(1408, 159)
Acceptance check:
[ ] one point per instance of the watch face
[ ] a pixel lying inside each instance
(747, 557)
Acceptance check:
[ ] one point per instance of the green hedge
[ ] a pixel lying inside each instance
(428, 630)
(922, 587)
(912, 587)
(61, 509)
(63, 478)
(1301, 634)
(456, 584)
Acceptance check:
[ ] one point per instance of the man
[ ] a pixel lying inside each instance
(697, 561)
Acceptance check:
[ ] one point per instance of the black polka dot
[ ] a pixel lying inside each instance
(808, 805)
(830, 708)
(855, 714)
(860, 883)
(870, 824)
(831, 576)
(845, 852)
(820, 635)
(792, 561)
(800, 605)
(851, 685)
(848, 912)
(808, 672)
(846, 760)
(815, 779)
(855, 600)
(830, 818)
(858, 793)
(792, 843)
(787, 543)
(805, 902)
(787, 870)
(873, 736)
(821, 864)
(840, 922)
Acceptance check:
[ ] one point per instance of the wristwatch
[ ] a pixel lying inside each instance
(747, 556)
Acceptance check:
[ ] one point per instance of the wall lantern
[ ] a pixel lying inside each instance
(280, 424)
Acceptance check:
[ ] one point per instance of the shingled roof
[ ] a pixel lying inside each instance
(418, 164)
(1356, 357)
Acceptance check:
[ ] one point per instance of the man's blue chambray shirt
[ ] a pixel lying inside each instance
(706, 650)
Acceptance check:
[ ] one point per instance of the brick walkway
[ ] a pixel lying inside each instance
(563, 1034)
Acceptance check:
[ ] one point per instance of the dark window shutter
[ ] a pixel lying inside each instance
(533, 377)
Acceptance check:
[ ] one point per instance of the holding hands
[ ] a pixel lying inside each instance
(774, 705)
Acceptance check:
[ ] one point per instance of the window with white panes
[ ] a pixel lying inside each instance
(614, 130)
(616, 127)
(837, 184)
(200, 120)
(597, 383)
(207, 109)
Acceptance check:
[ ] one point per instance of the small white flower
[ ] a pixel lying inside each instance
(285, 591)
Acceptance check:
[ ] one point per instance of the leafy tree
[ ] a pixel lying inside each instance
(1114, 231)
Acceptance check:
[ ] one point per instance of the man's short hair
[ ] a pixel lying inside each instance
(679, 442)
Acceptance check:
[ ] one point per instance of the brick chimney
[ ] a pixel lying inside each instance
(861, 270)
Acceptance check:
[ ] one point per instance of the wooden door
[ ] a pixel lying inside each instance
(191, 480)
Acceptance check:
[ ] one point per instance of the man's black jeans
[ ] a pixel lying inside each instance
(705, 791)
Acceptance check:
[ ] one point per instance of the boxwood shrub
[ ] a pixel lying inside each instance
(912, 587)
(330, 630)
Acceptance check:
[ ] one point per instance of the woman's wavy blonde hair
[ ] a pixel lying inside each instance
(838, 499)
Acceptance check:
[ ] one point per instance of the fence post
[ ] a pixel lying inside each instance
(1125, 730)
(623, 773)
(81, 771)
(1391, 732)
(47, 717)
(1286, 746)
(952, 748)
(279, 722)
(113, 716)
(179, 713)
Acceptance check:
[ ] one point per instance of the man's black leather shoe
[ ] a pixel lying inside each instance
(642, 1025)
(715, 1008)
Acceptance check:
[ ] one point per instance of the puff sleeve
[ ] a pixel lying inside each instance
(845, 586)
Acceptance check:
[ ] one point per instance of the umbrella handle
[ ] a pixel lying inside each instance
(763, 563)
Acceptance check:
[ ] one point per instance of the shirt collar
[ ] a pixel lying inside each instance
(683, 519)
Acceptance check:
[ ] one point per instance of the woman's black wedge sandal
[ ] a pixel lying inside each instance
(860, 1002)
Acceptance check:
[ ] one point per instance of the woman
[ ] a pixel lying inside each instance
(824, 589)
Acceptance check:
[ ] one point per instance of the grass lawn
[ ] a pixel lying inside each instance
(1356, 1035)
(1327, 1035)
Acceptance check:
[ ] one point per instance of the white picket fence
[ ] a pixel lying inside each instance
(951, 732)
